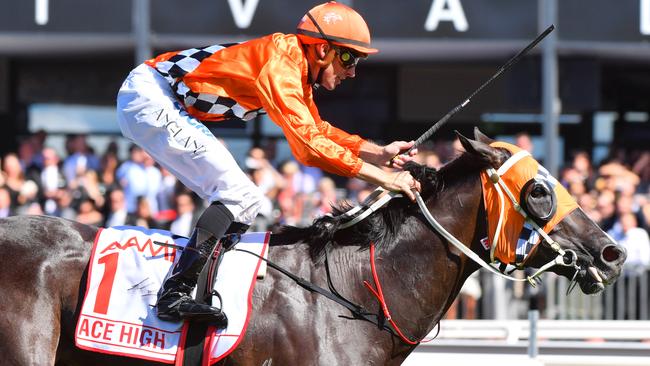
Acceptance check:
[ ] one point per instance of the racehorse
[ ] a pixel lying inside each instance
(44, 266)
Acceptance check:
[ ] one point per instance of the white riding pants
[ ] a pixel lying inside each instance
(150, 115)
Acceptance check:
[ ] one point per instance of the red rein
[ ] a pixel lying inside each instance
(379, 294)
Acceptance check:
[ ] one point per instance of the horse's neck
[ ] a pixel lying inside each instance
(423, 272)
(419, 274)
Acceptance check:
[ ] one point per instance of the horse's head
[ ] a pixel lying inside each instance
(536, 223)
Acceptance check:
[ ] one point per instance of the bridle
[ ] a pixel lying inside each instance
(567, 258)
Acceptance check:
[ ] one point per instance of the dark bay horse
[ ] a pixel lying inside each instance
(44, 262)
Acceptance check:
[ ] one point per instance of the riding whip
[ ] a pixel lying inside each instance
(425, 136)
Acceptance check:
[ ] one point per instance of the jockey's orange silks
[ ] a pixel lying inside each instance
(517, 237)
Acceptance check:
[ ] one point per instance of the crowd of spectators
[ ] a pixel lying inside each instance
(106, 189)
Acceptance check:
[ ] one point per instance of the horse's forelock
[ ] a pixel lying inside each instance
(420, 172)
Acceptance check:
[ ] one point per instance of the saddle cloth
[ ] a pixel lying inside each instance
(125, 272)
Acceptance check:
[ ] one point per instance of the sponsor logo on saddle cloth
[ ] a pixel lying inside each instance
(517, 237)
(127, 269)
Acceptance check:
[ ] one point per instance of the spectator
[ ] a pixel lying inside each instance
(270, 182)
(32, 208)
(642, 169)
(616, 177)
(27, 157)
(92, 187)
(51, 179)
(363, 194)
(5, 203)
(88, 213)
(28, 199)
(324, 197)
(144, 216)
(109, 164)
(186, 218)
(154, 182)
(269, 179)
(118, 215)
(356, 187)
(523, 140)
(626, 204)
(14, 178)
(290, 199)
(167, 191)
(33, 156)
(132, 177)
(583, 169)
(166, 197)
(80, 158)
(265, 215)
(634, 239)
(467, 299)
(607, 208)
(588, 203)
(64, 205)
(645, 208)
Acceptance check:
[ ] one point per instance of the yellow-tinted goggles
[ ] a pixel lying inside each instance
(347, 57)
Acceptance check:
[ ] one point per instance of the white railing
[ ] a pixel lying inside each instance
(513, 331)
(627, 299)
(560, 343)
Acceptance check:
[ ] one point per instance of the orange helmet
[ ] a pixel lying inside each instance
(340, 25)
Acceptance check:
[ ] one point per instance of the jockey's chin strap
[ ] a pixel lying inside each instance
(564, 257)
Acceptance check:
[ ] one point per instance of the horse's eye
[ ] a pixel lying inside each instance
(538, 192)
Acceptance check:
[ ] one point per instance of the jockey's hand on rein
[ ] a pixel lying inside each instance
(399, 153)
(403, 181)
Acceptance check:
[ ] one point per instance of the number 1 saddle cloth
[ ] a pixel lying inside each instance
(126, 270)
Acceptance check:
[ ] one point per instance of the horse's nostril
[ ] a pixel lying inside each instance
(611, 253)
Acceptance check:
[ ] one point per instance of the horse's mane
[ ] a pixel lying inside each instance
(383, 226)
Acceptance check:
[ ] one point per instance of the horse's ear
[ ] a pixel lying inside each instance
(485, 152)
(478, 135)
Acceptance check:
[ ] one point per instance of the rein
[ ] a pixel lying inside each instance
(358, 311)
(379, 294)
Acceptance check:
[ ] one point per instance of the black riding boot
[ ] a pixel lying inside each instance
(174, 300)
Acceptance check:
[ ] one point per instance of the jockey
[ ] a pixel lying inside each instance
(163, 102)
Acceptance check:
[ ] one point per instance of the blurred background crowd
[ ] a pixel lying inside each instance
(103, 188)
